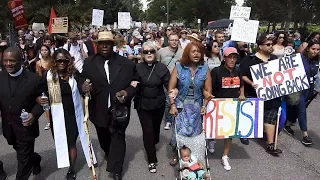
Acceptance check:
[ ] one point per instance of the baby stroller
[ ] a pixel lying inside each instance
(197, 144)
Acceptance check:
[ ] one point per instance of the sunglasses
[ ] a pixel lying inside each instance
(215, 46)
(152, 51)
(60, 61)
(183, 33)
(269, 44)
(169, 29)
(280, 37)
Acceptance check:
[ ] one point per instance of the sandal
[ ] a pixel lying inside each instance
(174, 161)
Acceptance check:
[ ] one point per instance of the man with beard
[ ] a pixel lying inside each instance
(271, 107)
(110, 75)
(18, 94)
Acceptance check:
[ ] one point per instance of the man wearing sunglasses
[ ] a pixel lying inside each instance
(183, 40)
(165, 39)
(110, 75)
(263, 54)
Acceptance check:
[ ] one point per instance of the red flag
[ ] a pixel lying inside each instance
(52, 15)
(16, 9)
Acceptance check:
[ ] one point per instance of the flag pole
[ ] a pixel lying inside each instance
(277, 129)
(86, 129)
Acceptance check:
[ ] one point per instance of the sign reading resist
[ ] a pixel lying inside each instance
(230, 118)
(280, 77)
(245, 31)
(240, 12)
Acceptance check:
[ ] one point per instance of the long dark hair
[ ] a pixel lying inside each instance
(53, 64)
(208, 51)
(311, 36)
(49, 51)
(276, 37)
(186, 60)
(310, 44)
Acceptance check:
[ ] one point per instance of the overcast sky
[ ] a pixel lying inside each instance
(240, 2)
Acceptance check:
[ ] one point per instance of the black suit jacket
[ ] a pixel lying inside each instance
(13, 101)
(122, 72)
(90, 47)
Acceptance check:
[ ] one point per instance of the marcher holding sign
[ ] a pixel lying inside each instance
(309, 57)
(271, 107)
(227, 83)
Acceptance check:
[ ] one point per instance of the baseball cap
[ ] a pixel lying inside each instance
(230, 50)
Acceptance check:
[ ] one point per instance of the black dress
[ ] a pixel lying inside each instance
(68, 107)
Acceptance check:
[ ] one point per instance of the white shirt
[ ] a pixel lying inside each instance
(76, 53)
(106, 68)
(184, 43)
(35, 39)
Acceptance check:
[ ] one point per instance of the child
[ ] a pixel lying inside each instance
(192, 168)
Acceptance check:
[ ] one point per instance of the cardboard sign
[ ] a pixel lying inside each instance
(60, 25)
(240, 12)
(230, 118)
(245, 31)
(38, 26)
(124, 20)
(280, 77)
(17, 12)
(97, 17)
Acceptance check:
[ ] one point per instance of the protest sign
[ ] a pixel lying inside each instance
(38, 26)
(245, 31)
(60, 25)
(97, 17)
(280, 77)
(124, 20)
(240, 12)
(230, 118)
(17, 12)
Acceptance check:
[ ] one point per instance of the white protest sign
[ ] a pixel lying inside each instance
(230, 118)
(97, 17)
(60, 25)
(124, 20)
(38, 26)
(280, 77)
(245, 31)
(240, 12)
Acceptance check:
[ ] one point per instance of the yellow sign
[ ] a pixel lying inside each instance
(60, 25)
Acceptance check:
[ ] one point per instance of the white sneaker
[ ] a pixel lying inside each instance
(167, 126)
(47, 126)
(211, 146)
(225, 162)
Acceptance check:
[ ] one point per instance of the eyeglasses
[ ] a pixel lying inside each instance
(60, 61)
(152, 51)
(269, 44)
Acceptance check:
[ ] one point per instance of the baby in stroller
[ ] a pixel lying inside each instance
(192, 168)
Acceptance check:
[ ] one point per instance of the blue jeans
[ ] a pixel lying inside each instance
(302, 115)
(167, 116)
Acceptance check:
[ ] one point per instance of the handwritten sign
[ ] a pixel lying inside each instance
(245, 31)
(97, 17)
(240, 12)
(280, 77)
(60, 25)
(230, 118)
(124, 20)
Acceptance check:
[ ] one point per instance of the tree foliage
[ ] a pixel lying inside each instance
(188, 10)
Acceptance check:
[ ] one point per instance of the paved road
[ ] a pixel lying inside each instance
(248, 162)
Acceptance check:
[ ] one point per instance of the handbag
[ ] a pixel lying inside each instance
(120, 115)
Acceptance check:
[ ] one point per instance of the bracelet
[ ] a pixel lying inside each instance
(203, 106)
(172, 104)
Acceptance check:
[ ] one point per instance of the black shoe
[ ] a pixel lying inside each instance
(152, 168)
(71, 176)
(244, 141)
(3, 175)
(36, 166)
(288, 130)
(117, 177)
(307, 141)
(270, 149)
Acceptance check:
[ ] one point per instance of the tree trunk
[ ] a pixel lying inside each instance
(282, 25)
(305, 23)
(269, 24)
(295, 26)
(274, 26)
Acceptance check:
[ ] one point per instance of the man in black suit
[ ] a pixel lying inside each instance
(3, 174)
(18, 92)
(110, 75)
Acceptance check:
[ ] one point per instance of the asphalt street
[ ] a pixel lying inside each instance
(248, 162)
